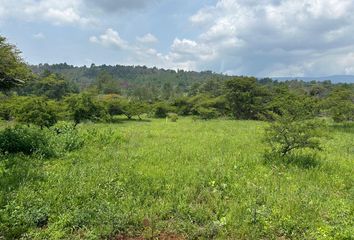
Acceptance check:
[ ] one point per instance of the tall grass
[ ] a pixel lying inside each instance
(192, 179)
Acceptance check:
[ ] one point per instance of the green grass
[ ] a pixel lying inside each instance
(193, 179)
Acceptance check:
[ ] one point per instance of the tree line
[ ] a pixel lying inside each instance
(48, 93)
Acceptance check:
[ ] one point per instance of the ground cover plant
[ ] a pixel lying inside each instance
(188, 179)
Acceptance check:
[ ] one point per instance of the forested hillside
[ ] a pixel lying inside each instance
(132, 80)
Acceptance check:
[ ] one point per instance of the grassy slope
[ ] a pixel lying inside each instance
(196, 179)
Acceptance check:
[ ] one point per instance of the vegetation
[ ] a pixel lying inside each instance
(13, 70)
(74, 164)
(192, 179)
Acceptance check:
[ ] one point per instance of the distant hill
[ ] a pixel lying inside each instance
(129, 76)
(333, 79)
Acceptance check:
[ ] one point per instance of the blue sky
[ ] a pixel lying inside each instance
(244, 37)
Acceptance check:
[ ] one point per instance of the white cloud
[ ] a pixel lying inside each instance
(276, 36)
(118, 5)
(39, 36)
(147, 39)
(186, 49)
(56, 12)
(110, 38)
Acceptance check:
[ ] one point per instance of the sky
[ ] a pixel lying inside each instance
(274, 38)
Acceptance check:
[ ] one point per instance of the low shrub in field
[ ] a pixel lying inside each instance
(63, 137)
(161, 110)
(286, 135)
(26, 140)
(66, 137)
(207, 113)
(173, 117)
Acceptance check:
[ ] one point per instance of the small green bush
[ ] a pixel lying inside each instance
(286, 135)
(161, 110)
(66, 137)
(207, 113)
(26, 140)
(173, 117)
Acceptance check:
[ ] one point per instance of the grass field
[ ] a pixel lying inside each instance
(189, 179)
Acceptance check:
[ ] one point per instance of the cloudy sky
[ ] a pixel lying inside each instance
(248, 37)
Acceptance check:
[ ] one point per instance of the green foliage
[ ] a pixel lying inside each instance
(245, 97)
(183, 106)
(340, 104)
(12, 67)
(66, 137)
(6, 109)
(113, 103)
(286, 135)
(82, 107)
(26, 140)
(50, 85)
(134, 108)
(207, 113)
(161, 110)
(294, 106)
(342, 111)
(173, 117)
(204, 103)
(128, 182)
(106, 84)
(36, 110)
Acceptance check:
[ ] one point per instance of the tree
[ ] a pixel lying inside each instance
(53, 86)
(6, 109)
(340, 104)
(285, 102)
(161, 110)
(13, 71)
(244, 96)
(113, 103)
(293, 132)
(36, 110)
(207, 113)
(134, 108)
(83, 107)
(106, 84)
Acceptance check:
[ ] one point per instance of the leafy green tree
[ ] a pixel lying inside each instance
(207, 113)
(340, 104)
(82, 107)
(245, 97)
(284, 102)
(36, 110)
(162, 109)
(53, 86)
(183, 106)
(134, 108)
(286, 135)
(106, 84)
(113, 103)
(13, 71)
(6, 108)
(202, 102)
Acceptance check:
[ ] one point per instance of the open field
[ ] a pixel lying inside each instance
(189, 179)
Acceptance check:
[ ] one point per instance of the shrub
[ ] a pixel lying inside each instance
(26, 140)
(82, 107)
(36, 110)
(161, 110)
(66, 137)
(173, 117)
(207, 113)
(5, 110)
(286, 135)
